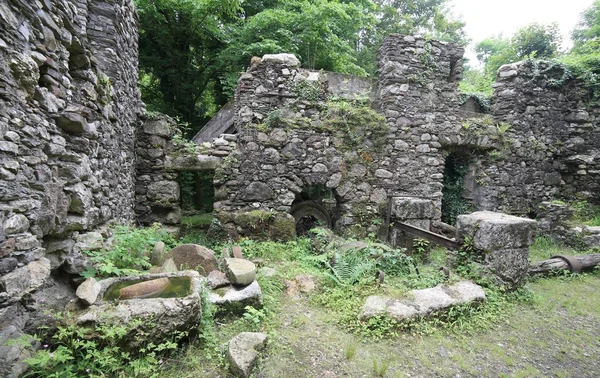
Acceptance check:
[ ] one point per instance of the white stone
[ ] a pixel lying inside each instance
(287, 59)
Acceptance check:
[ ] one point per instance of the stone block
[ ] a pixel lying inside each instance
(239, 271)
(495, 231)
(243, 352)
(235, 299)
(412, 208)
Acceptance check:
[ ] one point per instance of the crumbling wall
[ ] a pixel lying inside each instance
(161, 153)
(69, 104)
(294, 135)
(552, 147)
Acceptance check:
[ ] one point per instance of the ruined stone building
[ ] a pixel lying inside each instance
(78, 153)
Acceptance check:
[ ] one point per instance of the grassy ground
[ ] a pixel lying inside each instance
(550, 329)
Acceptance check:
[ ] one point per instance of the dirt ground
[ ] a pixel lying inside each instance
(556, 334)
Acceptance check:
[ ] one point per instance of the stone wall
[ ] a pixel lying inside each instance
(161, 153)
(540, 140)
(294, 136)
(552, 148)
(69, 104)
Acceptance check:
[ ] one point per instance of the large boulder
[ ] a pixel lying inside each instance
(193, 256)
(492, 231)
(243, 352)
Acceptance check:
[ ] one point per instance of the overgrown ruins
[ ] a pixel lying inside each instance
(77, 151)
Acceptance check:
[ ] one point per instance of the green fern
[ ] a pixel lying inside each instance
(350, 267)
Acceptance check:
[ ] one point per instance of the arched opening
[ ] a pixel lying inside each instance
(313, 207)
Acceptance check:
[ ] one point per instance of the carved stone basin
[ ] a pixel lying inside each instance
(178, 307)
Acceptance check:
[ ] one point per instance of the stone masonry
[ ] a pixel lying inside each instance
(69, 105)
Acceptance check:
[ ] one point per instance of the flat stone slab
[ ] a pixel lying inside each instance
(235, 299)
(423, 302)
(240, 271)
(243, 351)
(496, 231)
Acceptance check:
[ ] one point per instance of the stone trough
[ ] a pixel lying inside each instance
(173, 310)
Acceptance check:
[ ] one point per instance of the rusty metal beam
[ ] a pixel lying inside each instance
(428, 235)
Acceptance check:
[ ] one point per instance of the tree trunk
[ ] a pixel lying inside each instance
(587, 262)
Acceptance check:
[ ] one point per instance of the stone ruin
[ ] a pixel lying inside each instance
(77, 150)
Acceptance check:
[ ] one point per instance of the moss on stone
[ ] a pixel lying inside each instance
(283, 227)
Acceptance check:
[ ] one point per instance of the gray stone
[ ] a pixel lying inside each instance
(195, 162)
(169, 266)
(76, 263)
(26, 279)
(495, 231)
(163, 192)
(16, 224)
(168, 314)
(72, 122)
(423, 302)
(193, 256)
(217, 279)
(243, 352)
(286, 59)
(88, 291)
(239, 271)
(257, 191)
(235, 298)
(158, 253)
(158, 127)
(412, 208)
(7, 265)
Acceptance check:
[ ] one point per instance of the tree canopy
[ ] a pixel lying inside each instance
(192, 51)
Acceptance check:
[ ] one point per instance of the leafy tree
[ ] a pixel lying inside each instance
(192, 51)
(540, 41)
(179, 41)
(588, 29)
(535, 40)
(585, 55)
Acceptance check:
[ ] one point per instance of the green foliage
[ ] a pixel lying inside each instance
(350, 349)
(179, 41)
(540, 41)
(308, 90)
(130, 251)
(78, 351)
(532, 41)
(254, 316)
(453, 201)
(350, 267)
(192, 51)
(380, 367)
(585, 213)
(197, 191)
(363, 128)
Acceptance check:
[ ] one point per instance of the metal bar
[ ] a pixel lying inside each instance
(428, 235)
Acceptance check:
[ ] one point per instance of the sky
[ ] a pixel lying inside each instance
(486, 18)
